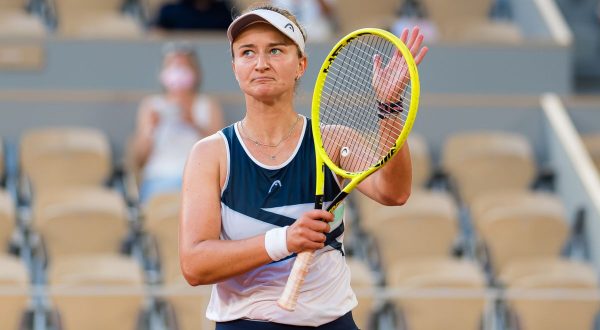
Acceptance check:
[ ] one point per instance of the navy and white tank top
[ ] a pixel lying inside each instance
(256, 198)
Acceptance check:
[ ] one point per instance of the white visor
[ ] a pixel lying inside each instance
(277, 20)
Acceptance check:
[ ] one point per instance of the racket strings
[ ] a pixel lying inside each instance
(400, 69)
(374, 50)
(350, 126)
(366, 99)
(365, 68)
(367, 148)
(402, 66)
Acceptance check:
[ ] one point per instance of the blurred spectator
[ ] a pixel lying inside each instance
(194, 15)
(428, 29)
(170, 123)
(316, 16)
(412, 14)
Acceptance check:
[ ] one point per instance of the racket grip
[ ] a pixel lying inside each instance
(289, 297)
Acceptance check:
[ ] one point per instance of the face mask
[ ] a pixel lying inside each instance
(177, 78)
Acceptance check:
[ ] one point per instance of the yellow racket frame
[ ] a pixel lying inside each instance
(357, 177)
(292, 289)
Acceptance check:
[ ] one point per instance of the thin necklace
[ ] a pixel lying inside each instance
(271, 156)
(258, 143)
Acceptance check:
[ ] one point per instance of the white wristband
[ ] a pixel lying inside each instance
(276, 243)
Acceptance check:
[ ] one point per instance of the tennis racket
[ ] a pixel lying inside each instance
(364, 104)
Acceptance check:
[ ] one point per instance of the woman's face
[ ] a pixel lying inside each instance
(265, 62)
(179, 73)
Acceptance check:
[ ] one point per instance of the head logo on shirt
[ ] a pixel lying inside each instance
(276, 184)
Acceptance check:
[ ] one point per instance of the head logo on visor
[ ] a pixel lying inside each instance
(280, 22)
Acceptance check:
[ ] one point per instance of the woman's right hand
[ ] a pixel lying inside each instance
(148, 121)
(307, 233)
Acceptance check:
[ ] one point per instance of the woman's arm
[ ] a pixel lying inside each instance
(391, 185)
(216, 121)
(204, 257)
(214, 118)
(143, 140)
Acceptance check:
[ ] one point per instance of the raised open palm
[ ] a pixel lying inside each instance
(389, 80)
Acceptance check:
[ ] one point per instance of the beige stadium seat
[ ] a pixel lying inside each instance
(485, 203)
(482, 162)
(15, 279)
(552, 294)
(363, 283)
(189, 304)
(70, 156)
(592, 143)
(426, 226)
(80, 221)
(7, 220)
(468, 20)
(16, 22)
(439, 294)
(421, 160)
(161, 222)
(526, 228)
(95, 19)
(96, 292)
(355, 15)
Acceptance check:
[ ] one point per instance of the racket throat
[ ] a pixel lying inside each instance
(337, 201)
(319, 202)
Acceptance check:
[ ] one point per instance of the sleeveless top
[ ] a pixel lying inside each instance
(257, 198)
(173, 137)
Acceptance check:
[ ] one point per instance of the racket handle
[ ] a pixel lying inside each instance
(289, 297)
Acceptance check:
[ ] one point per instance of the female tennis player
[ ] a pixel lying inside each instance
(248, 191)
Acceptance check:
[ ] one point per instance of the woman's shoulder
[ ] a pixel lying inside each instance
(209, 147)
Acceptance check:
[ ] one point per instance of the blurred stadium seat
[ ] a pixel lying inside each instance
(161, 223)
(13, 304)
(80, 221)
(520, 226)
(552, 294)
(421, 159)
(188, 305)
(53, 158)
(95, 19)
(97, 292)
(355, 15)
(425, 227)
(17, 22)
(432, 294)
(487, 161)
(469, 20)
(362, 278)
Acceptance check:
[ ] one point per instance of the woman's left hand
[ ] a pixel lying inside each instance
(388, 84)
